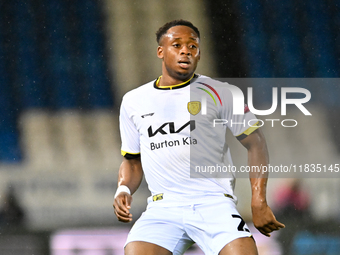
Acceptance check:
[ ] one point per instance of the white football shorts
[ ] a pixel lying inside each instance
(211, 224)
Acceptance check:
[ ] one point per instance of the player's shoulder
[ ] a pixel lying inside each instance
(139, 92)
(200, 78)
(215, 85)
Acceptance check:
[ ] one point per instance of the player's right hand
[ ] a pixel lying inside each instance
(122, 206)
(264, 219)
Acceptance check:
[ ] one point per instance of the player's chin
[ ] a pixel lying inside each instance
(187, 72)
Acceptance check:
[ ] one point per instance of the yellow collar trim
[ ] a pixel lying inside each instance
(172, 86)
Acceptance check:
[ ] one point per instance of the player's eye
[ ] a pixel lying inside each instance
(176, 45)
(193, 46)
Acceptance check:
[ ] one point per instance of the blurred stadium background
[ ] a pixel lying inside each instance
(64, 67)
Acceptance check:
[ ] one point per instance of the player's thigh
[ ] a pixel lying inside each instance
(145, 248)
(240, 246)
(214, 224)
(159, 227)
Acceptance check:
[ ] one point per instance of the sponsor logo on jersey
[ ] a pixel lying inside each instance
(157, 197)
(146, 115)
(194, 107)
(171, 128)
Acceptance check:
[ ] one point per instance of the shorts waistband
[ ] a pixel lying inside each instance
(160, 196)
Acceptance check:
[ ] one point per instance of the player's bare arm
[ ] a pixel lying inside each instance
(263, 217)
(130, 175)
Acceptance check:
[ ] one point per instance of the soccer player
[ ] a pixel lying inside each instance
(167, 135)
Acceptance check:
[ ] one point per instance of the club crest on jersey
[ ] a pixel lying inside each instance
(194, 107)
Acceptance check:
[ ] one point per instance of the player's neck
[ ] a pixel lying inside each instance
(167, 81)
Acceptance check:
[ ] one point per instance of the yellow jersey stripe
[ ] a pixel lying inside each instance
(172, 86)
(249, 130)
(125, 152)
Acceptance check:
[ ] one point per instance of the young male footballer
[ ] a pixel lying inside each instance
(168, 135)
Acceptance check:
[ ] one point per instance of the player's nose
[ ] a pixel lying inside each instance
(185, 50)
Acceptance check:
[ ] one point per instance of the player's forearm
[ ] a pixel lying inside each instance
(263, 218)
(130, 174)
(258, 187)
(257, 158)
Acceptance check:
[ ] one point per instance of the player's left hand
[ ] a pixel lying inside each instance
(264, 219)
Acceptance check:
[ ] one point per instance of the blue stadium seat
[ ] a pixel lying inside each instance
(97, 86)
(283, 36)
(62, 86)
(27, 72)
(320, 46)
(9, 137)
(256, 45)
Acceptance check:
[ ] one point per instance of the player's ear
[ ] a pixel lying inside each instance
(160, 52)
(199, 55)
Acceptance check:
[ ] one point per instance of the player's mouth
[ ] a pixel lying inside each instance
(184, 64)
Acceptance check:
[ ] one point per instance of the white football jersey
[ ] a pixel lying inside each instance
(179, 132)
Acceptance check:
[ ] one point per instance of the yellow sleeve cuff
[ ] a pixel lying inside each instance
(250, 130)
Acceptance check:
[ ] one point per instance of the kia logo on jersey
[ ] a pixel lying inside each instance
(171, 128)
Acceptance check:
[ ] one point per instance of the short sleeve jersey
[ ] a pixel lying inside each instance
(179, 132)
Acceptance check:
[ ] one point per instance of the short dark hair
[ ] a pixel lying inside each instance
(178, 22)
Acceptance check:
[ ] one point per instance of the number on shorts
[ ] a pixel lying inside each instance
(242, 223)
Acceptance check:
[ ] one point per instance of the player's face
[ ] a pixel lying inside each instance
(179, 49)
